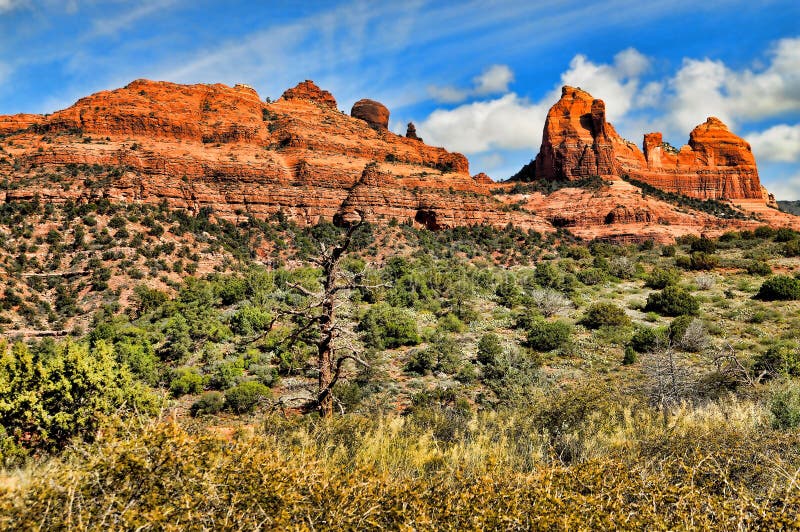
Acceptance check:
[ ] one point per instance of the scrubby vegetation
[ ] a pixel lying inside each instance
(161, 368)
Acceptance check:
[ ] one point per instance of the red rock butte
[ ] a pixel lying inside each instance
(224, 148)
(578, 142)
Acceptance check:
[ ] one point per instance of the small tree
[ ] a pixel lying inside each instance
(672, 301)
(780, 288)
(605, 314)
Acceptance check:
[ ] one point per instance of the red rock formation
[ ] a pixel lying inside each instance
(215, 146)
(198, 146)
(578, 142)
(373, 113)
(483, 179)
(308, 90)
(411, 132)
(16, 123)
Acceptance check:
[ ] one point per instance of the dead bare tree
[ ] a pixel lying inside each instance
(321, 314)
(671, 379)
(730, 368)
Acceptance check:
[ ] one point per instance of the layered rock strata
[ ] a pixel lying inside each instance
(224, 148)
(578, 142)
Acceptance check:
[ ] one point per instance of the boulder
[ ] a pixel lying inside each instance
(373, 113)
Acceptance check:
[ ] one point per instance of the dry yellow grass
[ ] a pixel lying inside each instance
(624, 466)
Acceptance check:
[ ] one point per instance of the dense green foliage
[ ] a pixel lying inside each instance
(470, 373)
(605, 314)
(672, 301)
(780, 287)
(546, 335)
(51, 393)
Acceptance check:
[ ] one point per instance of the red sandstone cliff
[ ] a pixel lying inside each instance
(223, 147)
(578, 142)
(220, 147)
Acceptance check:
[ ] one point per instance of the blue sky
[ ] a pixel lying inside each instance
(476, 77)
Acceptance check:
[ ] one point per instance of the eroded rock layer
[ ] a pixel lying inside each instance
(578, 142)
(226, 149)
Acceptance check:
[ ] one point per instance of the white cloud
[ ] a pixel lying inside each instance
(631, 63)
(508, 122)
(8, 5)
(779, 143)
(703, 87)
(784, 187)
(447, 94)
(511, 122)
(616, 84)
(494, 80)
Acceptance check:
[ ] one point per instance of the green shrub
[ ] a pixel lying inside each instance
(246, 396)
(605, 314)
(677, 327)
(226, 373)
(546, 335)
(779, 360)
(55, 392)
(784, 405)
(672, 301)
(662, 277)
(489, 348)
(547, 275)
(764, 231)
(387, 327)
(250, 320)
(629, 357)
(209, 403)
(757, 267)
(443, 355)
(703, 261)
(780, 288)
(186, 381)
(647, 339)
(688, 333)
(792, 248)
(592, 276)
(704, 245)
(785, 234)
(450, 323)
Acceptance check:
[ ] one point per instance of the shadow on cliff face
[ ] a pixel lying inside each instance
(427, 218)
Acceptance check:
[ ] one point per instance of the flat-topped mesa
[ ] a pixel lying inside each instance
(578, 142)
(159, 109)
(373, 113)
(308, 90)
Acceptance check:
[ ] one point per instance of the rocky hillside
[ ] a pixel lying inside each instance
(226, 150)
(716, 167)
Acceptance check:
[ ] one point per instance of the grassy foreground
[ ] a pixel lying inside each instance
(573, 463)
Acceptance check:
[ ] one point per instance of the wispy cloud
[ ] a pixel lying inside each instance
(493, 80)
(8, 5)
(114, 24)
